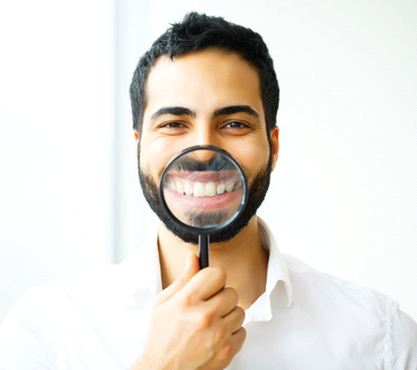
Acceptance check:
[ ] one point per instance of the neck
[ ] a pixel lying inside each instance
(242, 257)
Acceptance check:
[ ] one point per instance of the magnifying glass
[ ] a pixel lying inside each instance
(204, 190)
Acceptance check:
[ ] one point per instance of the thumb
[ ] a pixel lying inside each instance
(191, 267)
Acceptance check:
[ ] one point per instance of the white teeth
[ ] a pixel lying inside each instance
(199, 189)
(188, 189)
(210, 189)
(180, 187)
(230, 187)
(220, 188)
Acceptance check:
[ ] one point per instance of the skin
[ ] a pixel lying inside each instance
(201, 312)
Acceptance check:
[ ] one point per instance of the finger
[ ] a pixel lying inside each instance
(237, 339)
(225, 355)
(234, 320)
(191, 267)
(205, 284)
(223, 302)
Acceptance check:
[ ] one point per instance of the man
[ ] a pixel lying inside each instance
(207, 82)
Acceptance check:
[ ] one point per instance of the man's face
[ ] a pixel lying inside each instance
(209, 97)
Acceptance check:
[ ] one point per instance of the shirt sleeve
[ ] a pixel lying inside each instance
(401, 339)
(21, 344)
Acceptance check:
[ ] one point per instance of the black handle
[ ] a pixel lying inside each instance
(203, 243)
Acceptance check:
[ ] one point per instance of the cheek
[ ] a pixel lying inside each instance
(154, 156)
(253, 157)
(149, 157)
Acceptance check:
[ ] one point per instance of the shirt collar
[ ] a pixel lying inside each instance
(277, 278)
(141, 274)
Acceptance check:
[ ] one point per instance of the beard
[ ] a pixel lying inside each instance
(257, 191)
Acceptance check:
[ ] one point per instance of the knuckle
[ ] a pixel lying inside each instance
(228, 351)
(218, 273)
(220, 335)
(234, 296)
(187, 301)
(226, 354)
(241, 313)
(205, 320)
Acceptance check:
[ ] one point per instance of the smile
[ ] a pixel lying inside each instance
(202, 189)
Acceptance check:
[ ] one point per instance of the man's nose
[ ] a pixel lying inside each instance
(204, 155)
(205, 135)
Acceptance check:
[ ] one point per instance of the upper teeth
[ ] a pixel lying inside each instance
(201, 189)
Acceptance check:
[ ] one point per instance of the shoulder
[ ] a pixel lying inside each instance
(53, 300)
(358, 311)
(105, 286)
(308, 280)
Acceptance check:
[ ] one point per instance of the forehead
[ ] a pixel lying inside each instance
(203, 80)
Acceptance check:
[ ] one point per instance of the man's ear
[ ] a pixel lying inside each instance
(136, 135)
(274, 145)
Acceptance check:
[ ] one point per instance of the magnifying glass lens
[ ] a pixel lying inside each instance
(203, 188)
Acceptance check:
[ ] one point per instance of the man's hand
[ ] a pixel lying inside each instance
(195, 323)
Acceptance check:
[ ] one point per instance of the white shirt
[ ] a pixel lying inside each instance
(305, 320)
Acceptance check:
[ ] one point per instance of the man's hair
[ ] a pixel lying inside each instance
(197, 32)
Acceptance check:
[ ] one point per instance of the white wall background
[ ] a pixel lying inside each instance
(56, 122)
(343, 197)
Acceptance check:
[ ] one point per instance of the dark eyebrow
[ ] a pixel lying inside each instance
(176, 111)
(236, 109)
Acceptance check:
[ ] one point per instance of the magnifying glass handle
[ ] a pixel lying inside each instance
(203, 243)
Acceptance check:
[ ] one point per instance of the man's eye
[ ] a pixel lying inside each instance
(236, 125)
(172, 124)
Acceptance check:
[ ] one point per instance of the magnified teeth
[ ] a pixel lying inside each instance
(199, 189)
(230, 187)
(188, 189)
(202, 189)
(220, 188)
(180, 187)
(210, 189)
